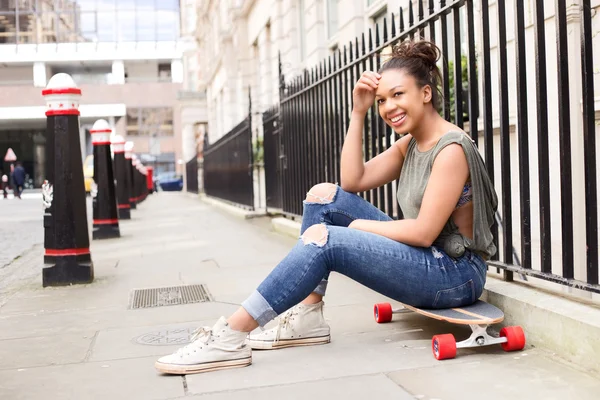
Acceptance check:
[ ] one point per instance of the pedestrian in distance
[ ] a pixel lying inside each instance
(18, 178)
(435, 257)
(5, 185)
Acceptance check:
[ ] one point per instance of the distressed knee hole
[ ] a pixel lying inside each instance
(316, 235)
(322, 193)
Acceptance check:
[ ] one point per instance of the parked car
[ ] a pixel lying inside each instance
(88, 172)
(169, 181)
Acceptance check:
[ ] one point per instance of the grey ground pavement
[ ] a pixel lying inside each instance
(85, 342)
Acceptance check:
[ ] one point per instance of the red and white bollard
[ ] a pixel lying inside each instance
(105, 218)
(129, 168)
(66, 237)
(123, 180)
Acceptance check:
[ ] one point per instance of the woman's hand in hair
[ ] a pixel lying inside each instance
(363, 95)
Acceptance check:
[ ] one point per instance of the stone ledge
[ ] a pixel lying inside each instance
(230, 208)
(286, 226)
(566, 327)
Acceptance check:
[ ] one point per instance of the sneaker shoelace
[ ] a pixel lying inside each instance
(284, 321)
(199, 337)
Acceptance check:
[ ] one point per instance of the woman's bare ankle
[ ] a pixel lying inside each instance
(312, 298)
(241, 321)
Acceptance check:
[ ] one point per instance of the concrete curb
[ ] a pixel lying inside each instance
(566, 327)
(286, 226)
(231, 209)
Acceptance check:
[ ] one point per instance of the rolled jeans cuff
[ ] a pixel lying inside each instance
(258, 308)
(321, 288)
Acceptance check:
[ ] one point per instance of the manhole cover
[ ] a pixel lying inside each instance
(168, 296)
(167, 337)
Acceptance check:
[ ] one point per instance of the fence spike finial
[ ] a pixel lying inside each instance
(393, 25)
(370, 40)
(376, 35)
(357, 54)
(364, 49)
(335, 64)
(281, 76)
(250, 100)
(411, 16)
(421, 12)
(401, 20)
(385, 34)
(351, 52)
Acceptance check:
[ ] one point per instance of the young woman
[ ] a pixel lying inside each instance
(433, 258)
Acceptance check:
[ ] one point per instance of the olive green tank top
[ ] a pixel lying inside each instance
(414, 177)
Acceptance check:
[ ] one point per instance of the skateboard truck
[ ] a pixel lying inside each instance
(511, 338)
(479, 337)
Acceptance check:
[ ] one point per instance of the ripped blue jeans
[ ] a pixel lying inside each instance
(419, 276)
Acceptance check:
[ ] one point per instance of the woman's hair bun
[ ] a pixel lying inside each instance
(424, 50)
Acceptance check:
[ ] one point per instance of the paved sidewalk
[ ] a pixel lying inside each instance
(82, 342)
(20, 225)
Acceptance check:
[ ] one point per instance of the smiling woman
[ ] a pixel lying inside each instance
(438, 248)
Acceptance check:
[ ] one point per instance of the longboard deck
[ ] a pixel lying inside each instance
(478, 313)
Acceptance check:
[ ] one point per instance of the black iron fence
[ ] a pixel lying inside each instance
(273, 156)
(303, 143)
(228, 166)
(191, 175)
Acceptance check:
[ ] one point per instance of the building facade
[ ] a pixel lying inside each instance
(125, 55)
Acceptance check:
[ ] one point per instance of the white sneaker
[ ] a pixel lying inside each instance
(210, 349)
(302, 325)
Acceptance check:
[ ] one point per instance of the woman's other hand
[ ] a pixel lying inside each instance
(364, 91)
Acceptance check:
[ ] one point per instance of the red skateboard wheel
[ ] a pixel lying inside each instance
(382, 312)
(515, 338)
(443, 346)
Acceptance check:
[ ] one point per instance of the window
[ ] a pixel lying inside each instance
(85, 74)
(61, 21)
(146, 25)
(150, 122)
(332, 18)
(377, 21)
(190, 18)
(164, 72)
(126, 26)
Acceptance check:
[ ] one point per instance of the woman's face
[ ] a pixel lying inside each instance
(402, 104)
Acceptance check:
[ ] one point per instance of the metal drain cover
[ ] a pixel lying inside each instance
(170, 337)
(168, 296)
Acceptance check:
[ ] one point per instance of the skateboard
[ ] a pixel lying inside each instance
(479, 316)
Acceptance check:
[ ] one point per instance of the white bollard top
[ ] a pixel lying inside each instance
(101, 126)
(118, 144)
(61, 82)
(101, 132)
(62, 95)
(128, 150)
